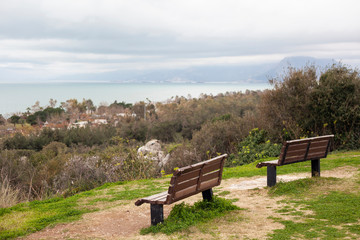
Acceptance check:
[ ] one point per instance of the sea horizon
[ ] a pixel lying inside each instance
(17, 97)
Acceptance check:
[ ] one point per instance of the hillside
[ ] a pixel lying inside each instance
(303, 208)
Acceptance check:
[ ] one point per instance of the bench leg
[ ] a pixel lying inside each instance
(157, 213)
(271, 176)
(207, 194)
(315, 168)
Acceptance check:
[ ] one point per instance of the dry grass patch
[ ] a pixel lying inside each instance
(8, 195)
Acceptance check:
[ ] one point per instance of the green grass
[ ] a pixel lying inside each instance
(335, 159)
(33, 216)
(182, 216)
(26, 218)
(224, 193)
(328, 215)
(300, 187)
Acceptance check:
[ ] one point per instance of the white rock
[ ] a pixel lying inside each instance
(152, 150)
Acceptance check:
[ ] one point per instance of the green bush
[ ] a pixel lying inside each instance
(182, 216)
(71, 137)
(219, 136)
(254, 147)
(303, 105)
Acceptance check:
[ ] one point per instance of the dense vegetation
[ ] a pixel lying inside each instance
(329, 206)
(39, 162)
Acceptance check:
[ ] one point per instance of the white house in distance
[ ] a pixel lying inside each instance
(100, 121)
(81, 124)
(126, 114)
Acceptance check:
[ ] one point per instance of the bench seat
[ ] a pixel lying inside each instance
(185, 182)
(159, 198)
(307, 149)
(268, 163)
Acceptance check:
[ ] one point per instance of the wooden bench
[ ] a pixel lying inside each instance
(185, 182)
(298, 151)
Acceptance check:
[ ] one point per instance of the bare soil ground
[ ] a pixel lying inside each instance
(126, 220)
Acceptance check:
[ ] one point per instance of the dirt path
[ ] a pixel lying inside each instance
(125, 221)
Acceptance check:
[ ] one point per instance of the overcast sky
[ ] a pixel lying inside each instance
(50, 38)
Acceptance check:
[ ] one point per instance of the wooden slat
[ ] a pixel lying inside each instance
(156, 196)
(212, 161)
(318, 148)
(294, 159)
(316, 155)
(300, 152)
(208, 184)
(186, 184)
(317, 151)
(268, 163)
(297, 146)
(185, 192)
(159, 198)
(209, 176)
(296, 150)
(322, 143)
(199, 165)
(210, 168)
(189, 180)
(187, 169)
(187, 176)
(312, 139)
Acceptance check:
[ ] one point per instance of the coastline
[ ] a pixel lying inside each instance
(16, 97)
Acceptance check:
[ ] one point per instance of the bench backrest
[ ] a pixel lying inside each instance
(305, 149)
(195, 178)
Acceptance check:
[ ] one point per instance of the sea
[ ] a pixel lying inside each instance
(17, 97)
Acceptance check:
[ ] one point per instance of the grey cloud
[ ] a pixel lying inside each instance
(154, 34)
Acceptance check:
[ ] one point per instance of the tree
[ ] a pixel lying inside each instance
(90, 105)
(300, 105)
(335, 105)
(284, 108)
(14, 119)
(52, 103)
(36, 107)
(42, 116)
(2, 120)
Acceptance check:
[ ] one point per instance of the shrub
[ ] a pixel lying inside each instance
(134, 130)
(71, 137)
(165, 131)
(300, 105)
(182, 216)
(115, 163)
(254, 147)
(286, 105)
(335, 106)
(180, 156)
(219, 136)
(9, 196)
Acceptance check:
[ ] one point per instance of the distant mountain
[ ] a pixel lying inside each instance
(295, 62)
(249, 73)
(192, 74)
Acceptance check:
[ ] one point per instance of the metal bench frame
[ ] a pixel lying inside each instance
(185, 182)
(300, 150)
